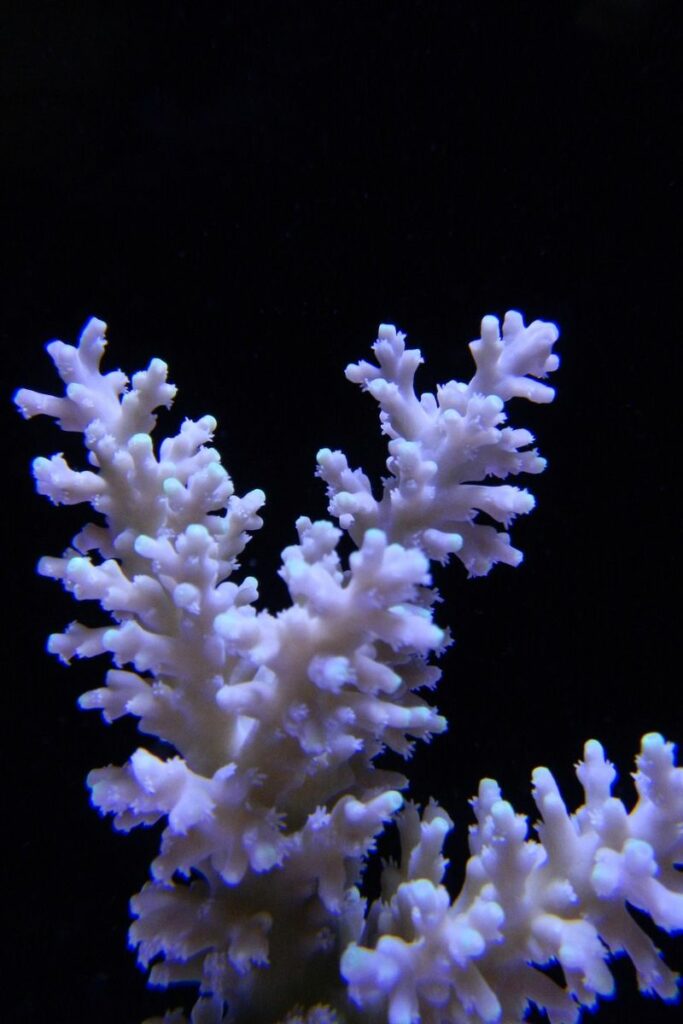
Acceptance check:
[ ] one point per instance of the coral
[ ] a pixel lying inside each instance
(527, 902)
(274, 799)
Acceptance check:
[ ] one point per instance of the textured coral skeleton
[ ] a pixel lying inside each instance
(254, 894)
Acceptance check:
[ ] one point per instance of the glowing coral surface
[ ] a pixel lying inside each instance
(273, 800)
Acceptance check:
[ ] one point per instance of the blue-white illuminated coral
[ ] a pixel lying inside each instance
(274, 799)
(526, 902)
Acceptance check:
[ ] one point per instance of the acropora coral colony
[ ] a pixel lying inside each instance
(274, 798)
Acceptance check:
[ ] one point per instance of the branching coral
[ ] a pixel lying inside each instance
(274, 798)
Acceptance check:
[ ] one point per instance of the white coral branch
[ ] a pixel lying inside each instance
(274, 798)
(441, 445)
(527, 903)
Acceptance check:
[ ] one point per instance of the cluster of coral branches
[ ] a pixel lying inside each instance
(274, 800)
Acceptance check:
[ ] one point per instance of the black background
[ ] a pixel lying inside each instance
(247, 190)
